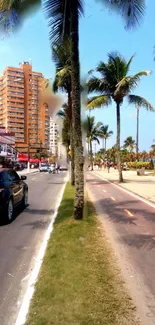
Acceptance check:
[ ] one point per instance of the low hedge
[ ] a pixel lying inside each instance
(140, 164)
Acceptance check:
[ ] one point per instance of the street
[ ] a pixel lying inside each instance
(129, 224)
(21, 240)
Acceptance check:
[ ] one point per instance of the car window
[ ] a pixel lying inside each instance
(13, 176)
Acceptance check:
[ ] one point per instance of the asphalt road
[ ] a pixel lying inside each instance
(21, 240)
(130, 225)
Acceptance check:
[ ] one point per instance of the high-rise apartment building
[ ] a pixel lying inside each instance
(53, 142)
(21, 110)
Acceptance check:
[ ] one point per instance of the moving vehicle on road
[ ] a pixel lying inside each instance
(43, 167)
(13, 191)
(51, 169)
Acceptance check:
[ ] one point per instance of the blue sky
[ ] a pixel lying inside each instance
(101, 32)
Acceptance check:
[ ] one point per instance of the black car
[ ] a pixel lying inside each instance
(13, 191)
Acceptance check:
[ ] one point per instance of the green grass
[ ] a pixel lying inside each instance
(79, 283)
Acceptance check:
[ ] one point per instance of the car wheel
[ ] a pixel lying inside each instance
(25, 199)
(9, 211)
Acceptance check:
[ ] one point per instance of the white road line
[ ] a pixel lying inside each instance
(104, 191)
(33, 178)
(128, 192)
(128, 212)
(21, 319)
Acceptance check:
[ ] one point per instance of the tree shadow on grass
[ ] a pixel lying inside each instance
(65, 211)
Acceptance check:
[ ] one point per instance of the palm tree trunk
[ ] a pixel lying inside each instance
(69, 114)
(76, 109)
(91, 155)
(88, 148)
(105, 144)
(118, 143)
(72, 156)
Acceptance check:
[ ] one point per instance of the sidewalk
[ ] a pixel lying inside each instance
(141, 185)
(25, 171)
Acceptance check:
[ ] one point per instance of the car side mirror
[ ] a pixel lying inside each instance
(23, 178)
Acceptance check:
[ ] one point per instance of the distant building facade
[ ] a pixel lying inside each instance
(53, 137)
(21, 111)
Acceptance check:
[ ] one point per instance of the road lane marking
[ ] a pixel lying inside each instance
(136, 196)
(104, 191)
(33, 178)
(129, 213)
(113, 198)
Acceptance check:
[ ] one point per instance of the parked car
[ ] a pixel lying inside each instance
(13, 191)
(43, 168)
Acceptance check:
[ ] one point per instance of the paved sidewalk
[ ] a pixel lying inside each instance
(141, 185)
(25, 171)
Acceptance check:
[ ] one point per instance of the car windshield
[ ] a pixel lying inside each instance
(44, 165)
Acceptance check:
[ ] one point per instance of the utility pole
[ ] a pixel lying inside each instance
(40, 150)
(28, 165)
(137, 135)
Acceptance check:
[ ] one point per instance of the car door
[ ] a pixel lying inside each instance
(16, 186)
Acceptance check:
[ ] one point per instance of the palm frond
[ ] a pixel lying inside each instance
(130, 82)
(98, 101)
(94, 138)
(94, 84)
(129, 63)
(141, 102)
(132, 11)
(65, 72)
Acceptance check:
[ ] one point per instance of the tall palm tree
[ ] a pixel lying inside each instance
(106, 134)
(93, 132)
(63, 18)
(66, 136)
(129, 143)
(116, 84)
(61, 56)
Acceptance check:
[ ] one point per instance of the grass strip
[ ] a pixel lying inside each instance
(79, 283)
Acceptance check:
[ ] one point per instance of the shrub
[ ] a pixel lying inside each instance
(140, 164)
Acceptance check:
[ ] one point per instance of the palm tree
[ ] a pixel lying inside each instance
(93, 132)
(129, 143)
(116, 84)
(63, 18)
(106, 134)
(61, 56)
(66, 136)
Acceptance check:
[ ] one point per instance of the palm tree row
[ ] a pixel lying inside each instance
(63, 16)
(116, 84)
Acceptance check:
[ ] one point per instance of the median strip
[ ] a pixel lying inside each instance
(79, 282)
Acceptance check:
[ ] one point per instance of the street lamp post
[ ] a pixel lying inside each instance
(40, 149)
(137, 135)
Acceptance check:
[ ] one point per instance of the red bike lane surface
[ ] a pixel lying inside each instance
(130, 224)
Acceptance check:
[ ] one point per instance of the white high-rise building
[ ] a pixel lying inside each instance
(54, 136)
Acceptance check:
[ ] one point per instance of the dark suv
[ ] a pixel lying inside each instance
(13, 191)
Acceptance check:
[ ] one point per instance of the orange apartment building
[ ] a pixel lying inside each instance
(21, 111)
